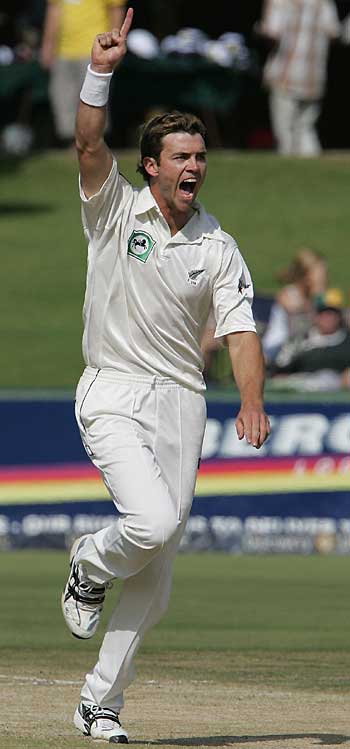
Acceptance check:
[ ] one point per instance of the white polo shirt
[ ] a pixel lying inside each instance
(149, 294)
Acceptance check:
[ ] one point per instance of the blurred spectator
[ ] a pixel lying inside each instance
(295, 71)
(68, 30)
(321, 361)
(292, 313)
(19, 42)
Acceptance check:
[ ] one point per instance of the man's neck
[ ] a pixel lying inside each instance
(176, 220)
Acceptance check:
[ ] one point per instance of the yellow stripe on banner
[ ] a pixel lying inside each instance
(52, 491)
(253, 483)
(261, 483)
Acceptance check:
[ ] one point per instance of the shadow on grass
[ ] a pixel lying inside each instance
(322, 739)
(13, 209)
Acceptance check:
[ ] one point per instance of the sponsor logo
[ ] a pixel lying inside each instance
(193, 276)
(302, 434)
(140, 245)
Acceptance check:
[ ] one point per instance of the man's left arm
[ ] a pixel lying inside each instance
(249, 372)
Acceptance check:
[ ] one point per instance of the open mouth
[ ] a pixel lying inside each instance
(188, 186)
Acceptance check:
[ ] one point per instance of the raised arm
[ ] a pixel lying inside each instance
(95, 158)
(249, 373)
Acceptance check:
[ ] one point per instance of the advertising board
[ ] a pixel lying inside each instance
(293, 495)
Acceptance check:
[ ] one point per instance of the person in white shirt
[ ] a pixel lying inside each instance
(295, 70)
(156, 263)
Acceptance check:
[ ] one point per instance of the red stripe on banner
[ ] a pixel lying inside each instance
(222, 467)
(275, 465)
(219, 468)
(74, 471)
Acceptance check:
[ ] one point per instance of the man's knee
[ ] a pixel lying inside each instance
(151, 531)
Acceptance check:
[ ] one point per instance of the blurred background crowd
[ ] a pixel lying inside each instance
(256, 72)
(263, 75)
(305, 329)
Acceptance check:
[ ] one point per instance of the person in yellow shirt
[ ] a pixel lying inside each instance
(66, 45)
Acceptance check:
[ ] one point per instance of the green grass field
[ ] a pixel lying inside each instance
(253, 650)
(278, 612)
(271, 205)
(269, 635)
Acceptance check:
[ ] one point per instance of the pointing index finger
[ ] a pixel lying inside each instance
(127, 23)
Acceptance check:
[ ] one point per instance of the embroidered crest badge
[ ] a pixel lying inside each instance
(140, 245)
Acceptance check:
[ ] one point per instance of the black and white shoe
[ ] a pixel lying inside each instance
(82, 601)
(100, 723)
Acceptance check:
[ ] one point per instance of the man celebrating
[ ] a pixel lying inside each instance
(157, 263)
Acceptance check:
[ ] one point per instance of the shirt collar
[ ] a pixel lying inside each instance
(200, 225)
(145, 201)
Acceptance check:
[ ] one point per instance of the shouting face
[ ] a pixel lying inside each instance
(175, 182)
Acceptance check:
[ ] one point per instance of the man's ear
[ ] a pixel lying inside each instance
(151, 166)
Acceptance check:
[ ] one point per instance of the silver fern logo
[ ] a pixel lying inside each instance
(194, 275)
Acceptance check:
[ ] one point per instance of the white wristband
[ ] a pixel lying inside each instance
(95, 88)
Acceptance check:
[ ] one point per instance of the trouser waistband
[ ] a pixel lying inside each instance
(113, 375)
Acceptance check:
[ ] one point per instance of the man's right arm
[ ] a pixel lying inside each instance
(95, 158)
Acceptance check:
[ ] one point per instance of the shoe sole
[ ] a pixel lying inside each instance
(78, 637)
(75, 546)
(118, 740)
(84, 729)
(122, 739)
(80, 723)
(73, 551)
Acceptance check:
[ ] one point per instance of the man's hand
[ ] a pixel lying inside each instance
(109, 48)
(253, 424)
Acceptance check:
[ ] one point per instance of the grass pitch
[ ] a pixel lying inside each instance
(271, 205)
(253, 650)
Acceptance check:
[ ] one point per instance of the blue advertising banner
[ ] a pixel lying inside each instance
(44, 431)
(291, 496)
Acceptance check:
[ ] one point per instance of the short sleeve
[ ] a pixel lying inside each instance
(101, 211)
(233, 294)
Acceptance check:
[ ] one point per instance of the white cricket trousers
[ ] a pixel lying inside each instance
(145, 435)
(294, 124)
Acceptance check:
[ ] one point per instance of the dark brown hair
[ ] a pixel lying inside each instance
(153, 132)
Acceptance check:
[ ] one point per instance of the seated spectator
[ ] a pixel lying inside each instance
(292, 313)
(321, 361)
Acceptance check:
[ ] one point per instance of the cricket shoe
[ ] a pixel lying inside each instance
(100, 723)
(82, 600)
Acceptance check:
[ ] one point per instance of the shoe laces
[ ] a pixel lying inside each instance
(92, 713)
(84, 592)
